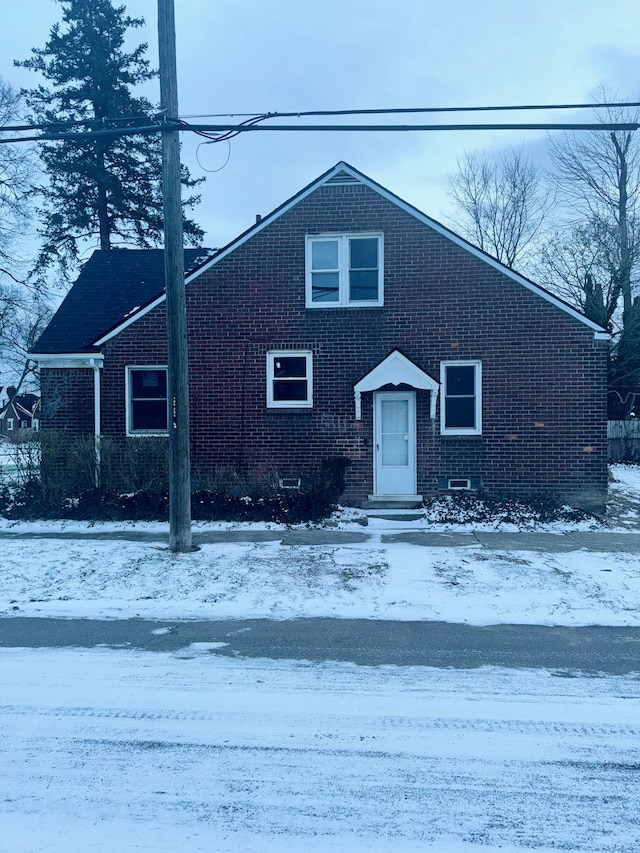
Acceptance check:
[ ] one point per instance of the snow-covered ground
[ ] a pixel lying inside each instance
(106, 750)
(109, 750)
(371, 580)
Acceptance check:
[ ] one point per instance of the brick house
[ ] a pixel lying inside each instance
(346, 323)
(19, 415)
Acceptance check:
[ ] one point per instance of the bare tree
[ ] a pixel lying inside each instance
(21, 329)
(580, 263)
(503, 202)
(16, 170)
(22, 305)
(599, 178)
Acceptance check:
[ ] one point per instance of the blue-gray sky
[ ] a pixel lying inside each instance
(269, 55)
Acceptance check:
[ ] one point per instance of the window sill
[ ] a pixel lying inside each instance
(352, 305)
(457, 435)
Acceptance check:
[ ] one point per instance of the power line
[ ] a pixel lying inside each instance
(211, 128)
(400, 110)
(89, 122)
(226, 130)
(58, 126)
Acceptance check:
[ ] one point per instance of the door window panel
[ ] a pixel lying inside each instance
(394, 432)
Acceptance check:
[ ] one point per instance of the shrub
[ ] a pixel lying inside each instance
(474, 507)
(133, 485)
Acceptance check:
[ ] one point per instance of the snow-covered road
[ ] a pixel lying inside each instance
(107, 750)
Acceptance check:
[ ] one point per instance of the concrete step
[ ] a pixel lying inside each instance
(394, 514)
(392, 502)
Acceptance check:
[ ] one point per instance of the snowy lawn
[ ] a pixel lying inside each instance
(373, 579)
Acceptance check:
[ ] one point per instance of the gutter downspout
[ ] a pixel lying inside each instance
(96, 420)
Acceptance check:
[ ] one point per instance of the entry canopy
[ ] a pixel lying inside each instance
(396, 369)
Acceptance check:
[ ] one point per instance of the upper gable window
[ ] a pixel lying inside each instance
(344, 270)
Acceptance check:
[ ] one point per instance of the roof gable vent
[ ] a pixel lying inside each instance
(343, 178)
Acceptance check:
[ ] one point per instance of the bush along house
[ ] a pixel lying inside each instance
(345, 324)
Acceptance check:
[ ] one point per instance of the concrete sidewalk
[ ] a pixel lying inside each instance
(596, 541)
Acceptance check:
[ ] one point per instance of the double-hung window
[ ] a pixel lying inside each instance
(461, 405)
(289, 379)
(344, 270)
(147, 405)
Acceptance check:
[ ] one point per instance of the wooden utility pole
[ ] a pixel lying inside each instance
(177, 356)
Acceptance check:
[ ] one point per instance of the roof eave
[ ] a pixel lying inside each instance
(68, 359)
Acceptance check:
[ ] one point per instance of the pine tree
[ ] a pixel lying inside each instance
(105, 187)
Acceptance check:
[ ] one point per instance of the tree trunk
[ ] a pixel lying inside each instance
(103, 207)
(623, 226)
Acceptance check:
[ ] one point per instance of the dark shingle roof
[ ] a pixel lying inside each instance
(110, 286)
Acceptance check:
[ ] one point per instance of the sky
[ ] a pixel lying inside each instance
(250, 56)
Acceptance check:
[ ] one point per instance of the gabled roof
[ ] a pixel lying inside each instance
(23, 403)
(112, 285)
(344, 174)
(395, 369)
(117, 288)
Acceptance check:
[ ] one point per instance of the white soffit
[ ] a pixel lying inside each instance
(68, 359)
(396, 369)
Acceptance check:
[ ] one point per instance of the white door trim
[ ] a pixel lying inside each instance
(409, 477)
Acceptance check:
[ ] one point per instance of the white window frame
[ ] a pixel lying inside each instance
(129, 410)
(477, 430)
(458, 488)
(9, 424)
(343, 270)
(289, 404)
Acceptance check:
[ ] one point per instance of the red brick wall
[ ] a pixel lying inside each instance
(67, 399)
(544, 377)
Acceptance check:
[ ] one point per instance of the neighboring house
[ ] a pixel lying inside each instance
(19, 414)
(346, 323)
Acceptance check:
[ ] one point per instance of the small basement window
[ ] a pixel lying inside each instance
(289, 379)
(459, 484)
(147, 404)
(290, 482)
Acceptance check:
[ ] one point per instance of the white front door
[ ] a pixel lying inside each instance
(395, 443)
